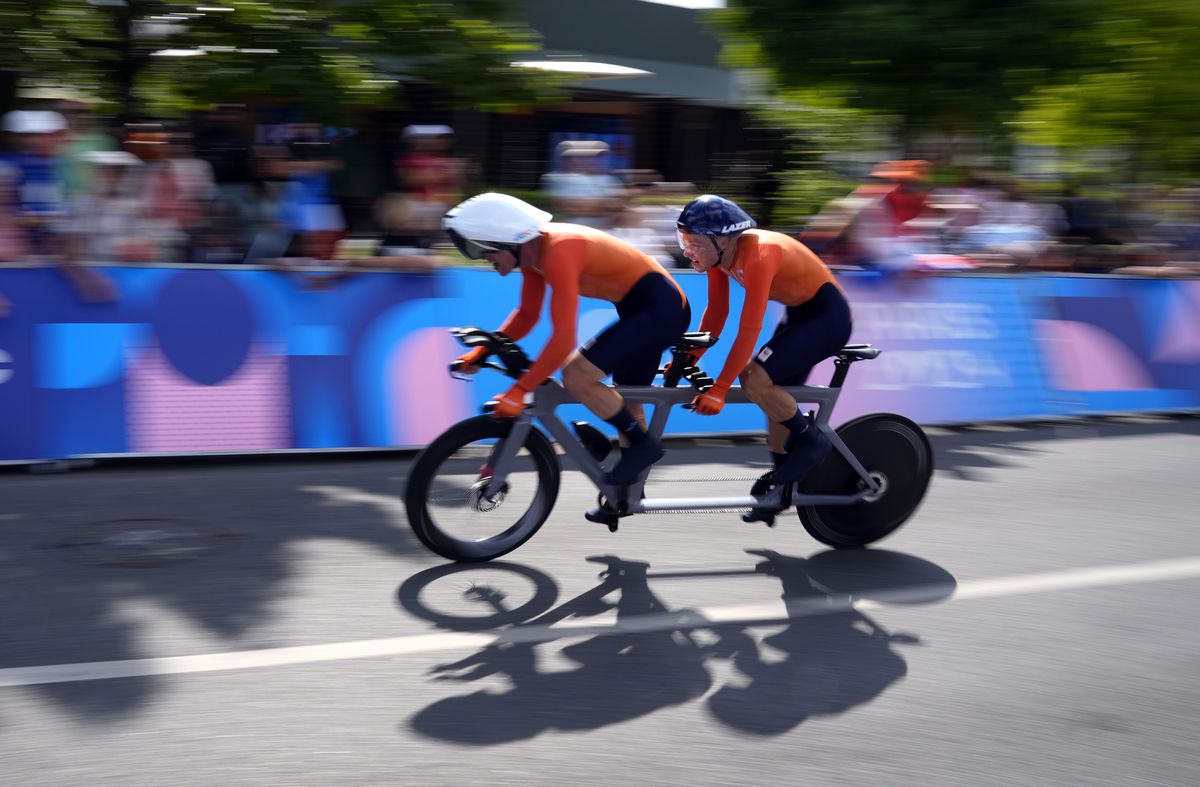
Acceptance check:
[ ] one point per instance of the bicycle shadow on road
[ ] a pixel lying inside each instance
(828, 657)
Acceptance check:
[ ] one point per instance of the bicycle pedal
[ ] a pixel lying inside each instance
(602, 517)
(764, 515)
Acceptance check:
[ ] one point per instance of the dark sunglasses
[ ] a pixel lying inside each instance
(471, 249)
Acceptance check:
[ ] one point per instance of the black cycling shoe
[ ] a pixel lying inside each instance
(804, 451)
(635, 459)
(595, 441)
(767, 515)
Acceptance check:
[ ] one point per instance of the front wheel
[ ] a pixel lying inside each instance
(448, 508)
(896, 453)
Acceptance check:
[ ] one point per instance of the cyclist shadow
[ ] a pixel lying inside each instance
(829, 657)
(612, 678)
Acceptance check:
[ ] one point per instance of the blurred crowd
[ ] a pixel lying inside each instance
(223, 189)
(901, 222)
(228, 188)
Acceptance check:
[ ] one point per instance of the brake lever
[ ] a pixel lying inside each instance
(456, 372)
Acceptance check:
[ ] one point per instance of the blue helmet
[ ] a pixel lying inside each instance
(713, 216)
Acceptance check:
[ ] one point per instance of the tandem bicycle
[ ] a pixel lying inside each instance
(486, 485)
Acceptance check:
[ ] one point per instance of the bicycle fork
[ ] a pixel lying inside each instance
(503, 454)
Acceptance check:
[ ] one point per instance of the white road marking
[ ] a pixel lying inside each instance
(777, 611)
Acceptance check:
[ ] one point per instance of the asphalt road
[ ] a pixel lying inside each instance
(1033, 624)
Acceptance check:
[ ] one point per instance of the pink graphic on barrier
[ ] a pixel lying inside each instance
(167, 412)
(423, 400)
(1082, 357)
(1179, 341)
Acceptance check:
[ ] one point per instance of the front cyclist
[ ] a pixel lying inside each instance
(575, 261)
(720, 239)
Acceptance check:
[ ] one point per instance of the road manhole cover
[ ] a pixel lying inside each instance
(140, 543)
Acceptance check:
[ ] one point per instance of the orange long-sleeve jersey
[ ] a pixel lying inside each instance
(772, 267)
(575, 261)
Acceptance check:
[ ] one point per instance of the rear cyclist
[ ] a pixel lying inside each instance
(575, 261)
(720, 239)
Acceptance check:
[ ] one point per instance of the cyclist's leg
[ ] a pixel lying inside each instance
(811, 333)
(772, 400)
(652, 317)
(584, 380)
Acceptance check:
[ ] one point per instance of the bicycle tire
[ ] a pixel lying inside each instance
(890, 447)
(424, 473)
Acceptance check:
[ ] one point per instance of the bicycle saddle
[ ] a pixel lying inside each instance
(858, 352)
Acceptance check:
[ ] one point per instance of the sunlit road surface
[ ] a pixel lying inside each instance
(1033, 624)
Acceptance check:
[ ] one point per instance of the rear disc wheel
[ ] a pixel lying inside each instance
(896, 454)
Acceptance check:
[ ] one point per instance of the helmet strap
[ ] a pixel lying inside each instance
(720, 251)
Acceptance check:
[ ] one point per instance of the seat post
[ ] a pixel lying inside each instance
(841, 367)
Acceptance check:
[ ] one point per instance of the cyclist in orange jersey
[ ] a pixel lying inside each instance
(574, 260)
(720, 239)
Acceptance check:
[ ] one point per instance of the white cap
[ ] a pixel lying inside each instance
(30, 121)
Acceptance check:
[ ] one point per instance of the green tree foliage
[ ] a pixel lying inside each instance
(1101, 80)
(318, 54)
(1138, 96)
(950, 66)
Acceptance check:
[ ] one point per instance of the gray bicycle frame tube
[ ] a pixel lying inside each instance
(550, 395)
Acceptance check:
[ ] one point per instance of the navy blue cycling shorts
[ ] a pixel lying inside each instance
(650, 318)
(808, 334)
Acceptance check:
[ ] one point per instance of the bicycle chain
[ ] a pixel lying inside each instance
(739, 479)
(750, 479)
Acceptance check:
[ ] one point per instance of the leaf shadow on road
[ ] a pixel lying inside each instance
(118, 563)
(821, 655)
(970, 452)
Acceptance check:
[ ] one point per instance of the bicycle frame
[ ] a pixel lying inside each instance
(551, 395)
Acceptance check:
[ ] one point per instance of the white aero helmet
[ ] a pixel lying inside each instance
(492, 222)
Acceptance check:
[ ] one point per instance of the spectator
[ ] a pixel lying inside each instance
(224, 139)
(315, 213)
(635, 224)
(40, 190)
(364, 175)
(13, 237)
(110, 223)
(1017, 229)
(581, 189)
(404, 224)
(193, 191)
(85, 136)
(877, 227)
(431, 179)
(269, 227)
(157, 207)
